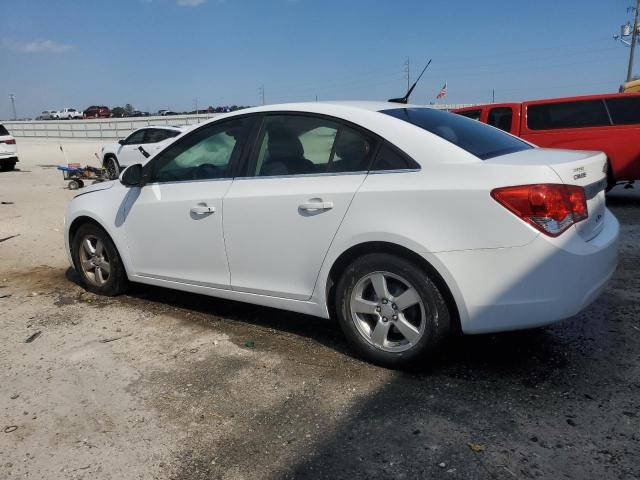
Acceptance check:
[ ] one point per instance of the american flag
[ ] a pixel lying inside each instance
(443, 91)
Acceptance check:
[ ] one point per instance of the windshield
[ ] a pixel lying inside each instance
(476, 138)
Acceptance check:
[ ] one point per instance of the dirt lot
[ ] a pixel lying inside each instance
(165, 385)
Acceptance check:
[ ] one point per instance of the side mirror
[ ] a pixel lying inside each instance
(132, 176)
(121, 142)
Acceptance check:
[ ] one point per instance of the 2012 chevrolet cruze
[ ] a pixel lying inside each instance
(407, 223)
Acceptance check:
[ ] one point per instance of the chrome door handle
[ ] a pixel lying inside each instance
(316, 206)
(202, 210)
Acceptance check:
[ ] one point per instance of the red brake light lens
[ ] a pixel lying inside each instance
(8, 142)
(551, 208)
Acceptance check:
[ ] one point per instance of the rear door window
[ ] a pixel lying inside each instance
(389, 158)
(3, 131)
(500, 117)
(475, 137)
(624, 110)
(303, 145)
(580, 114)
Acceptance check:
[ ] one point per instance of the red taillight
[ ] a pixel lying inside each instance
(8, 142)
(549, 207)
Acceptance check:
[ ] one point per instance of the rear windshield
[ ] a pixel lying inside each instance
(476, 138)
(3, 131)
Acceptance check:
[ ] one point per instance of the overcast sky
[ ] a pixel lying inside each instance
(168, 53)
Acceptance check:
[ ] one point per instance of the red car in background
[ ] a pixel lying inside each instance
(609, 123)
(95, 111)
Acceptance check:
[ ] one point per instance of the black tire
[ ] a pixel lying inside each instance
(74, 184)
(7, 166)
(112, 166)
(435, 313)
(116, 282)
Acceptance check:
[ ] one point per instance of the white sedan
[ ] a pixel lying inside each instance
(117, 156)
(406, 223)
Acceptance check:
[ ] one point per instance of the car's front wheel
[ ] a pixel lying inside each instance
(112, 167)
(390, 310)
(97, 261)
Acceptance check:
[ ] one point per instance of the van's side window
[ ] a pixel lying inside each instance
(624, 110)
(500, 117)
(472, 114)
(579, 114)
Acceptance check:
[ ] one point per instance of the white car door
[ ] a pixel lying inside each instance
(280, 220)
(173, 224)
(128, 152)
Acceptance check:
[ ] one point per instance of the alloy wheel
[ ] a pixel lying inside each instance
(388, 311)
(94, 260)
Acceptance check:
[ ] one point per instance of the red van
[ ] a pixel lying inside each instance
(609, 123)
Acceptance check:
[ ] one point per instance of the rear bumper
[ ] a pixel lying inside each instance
(8, 157)
(533, 285)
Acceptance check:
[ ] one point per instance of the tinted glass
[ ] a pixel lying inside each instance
(298, 145)
(155, 135)
(473, 114)
(476, 138)
(500, 117)
(205, 154)
(135, 138)
(3, 131)
(353, 151)
(549, 116)
(390, 159)
(624, 110)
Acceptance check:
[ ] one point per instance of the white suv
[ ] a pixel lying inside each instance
(404, 222)
(118, 156)
(8, 150)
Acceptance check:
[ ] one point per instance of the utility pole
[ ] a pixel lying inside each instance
(196, 102)
(493, 96)
(12, 96)
(261, 91)
(634, 37)
(407, 71)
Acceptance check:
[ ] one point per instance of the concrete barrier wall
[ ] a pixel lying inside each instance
(108, 128)
(114, 128)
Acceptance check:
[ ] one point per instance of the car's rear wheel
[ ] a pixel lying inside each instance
(97, 261)
(390, 310)
(112, 167)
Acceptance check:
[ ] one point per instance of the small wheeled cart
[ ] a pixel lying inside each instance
(77, 175)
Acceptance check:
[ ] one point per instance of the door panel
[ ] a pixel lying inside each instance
(276, 243)
(280, 223)
(168, 240)
(174, 225)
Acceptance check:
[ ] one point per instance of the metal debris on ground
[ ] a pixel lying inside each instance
(10, 428)
(6, 203)
(33, 336)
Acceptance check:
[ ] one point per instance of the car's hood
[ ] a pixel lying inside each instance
(96, 187)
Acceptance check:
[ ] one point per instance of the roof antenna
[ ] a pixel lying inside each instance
(405, 99)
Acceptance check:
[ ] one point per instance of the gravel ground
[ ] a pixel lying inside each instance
(158, 384)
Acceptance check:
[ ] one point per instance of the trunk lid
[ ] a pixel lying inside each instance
(574, 167)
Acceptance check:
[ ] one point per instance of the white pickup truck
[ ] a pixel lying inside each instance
(67, 114)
